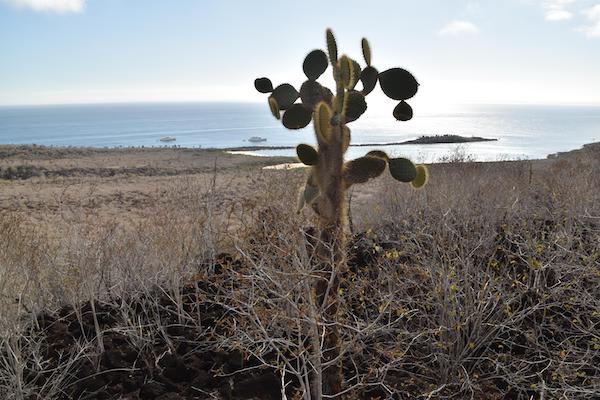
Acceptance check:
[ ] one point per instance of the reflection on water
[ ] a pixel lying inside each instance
(523, 131)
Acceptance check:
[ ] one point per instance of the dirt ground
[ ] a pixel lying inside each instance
(124, 183)
(128, 183)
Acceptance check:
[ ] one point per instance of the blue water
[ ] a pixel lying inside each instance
(523, 131)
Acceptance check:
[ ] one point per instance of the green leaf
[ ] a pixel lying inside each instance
(346, 71)
(307, 154)
(311, 93)
(297, 117)
(322, 121)
(421, 178)
(402, 169)
(369, 77)
(331, 47)
(285, 95)
(345, 138)
(378, 154)
(398, 84)
(315, 64)
(366, 49)
(274, 107)
(403, 111)
(356, 71)
(307, 196)
(362, 169)
(263, 85)
(354, 105)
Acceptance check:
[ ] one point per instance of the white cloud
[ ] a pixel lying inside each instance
(594, 12)
(456, 28)
(558, 15)
(593, 30)
(556, 10)
(60, 6)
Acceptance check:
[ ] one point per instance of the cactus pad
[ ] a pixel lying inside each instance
(402, 169)
(362, 169)
(356, 71)
(285, 95)
(368, 77)
(297, 117)
(322, 117)
(307, 196)
(422, 177)
(345, 138)
(398, 84)
(403, 111)
(263, 85)
(366, 49)
(331, 47)
(274, 107)
(307, 154)
(346, 71)
(311, 93)
(315, 64)
(354, 105)
(378, 154)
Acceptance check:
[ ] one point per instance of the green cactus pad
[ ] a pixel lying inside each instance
(398, 84)
(322, 121)
(297, 117)
(354, 105)
(263, 85)
(311, 93)
(331, 47)
(366, 49)
(285, 95)
(402, 169)
(346, 71)
(307, 154)
(307, 196)
(346, 137)
(315, 64)
(422, 177)
(274, 107)
(362, 169)
(403, 111)
(356, 71)
(368, 77)
(378, 154)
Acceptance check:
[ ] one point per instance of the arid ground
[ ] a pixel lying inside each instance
(120, 268)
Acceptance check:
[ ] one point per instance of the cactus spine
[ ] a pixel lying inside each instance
(330, 176)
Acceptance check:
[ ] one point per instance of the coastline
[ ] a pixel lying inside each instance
(129, 180)
(424, 140)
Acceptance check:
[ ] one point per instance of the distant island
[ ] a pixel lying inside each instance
(431, 139)
(447, 139)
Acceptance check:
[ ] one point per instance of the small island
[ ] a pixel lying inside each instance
(432, 139)
(447, 139)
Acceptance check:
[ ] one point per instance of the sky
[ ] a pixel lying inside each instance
(461, 51)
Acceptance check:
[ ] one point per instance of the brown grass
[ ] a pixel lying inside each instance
(485, 285)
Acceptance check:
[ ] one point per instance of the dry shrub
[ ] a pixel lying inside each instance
(482, 285)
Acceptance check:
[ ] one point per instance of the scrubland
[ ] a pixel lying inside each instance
(174, 273)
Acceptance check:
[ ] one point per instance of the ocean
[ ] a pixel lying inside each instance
(523, 132)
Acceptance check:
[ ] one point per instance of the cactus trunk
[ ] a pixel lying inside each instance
(331, 252)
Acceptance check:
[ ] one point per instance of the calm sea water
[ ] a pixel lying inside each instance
(523, 131)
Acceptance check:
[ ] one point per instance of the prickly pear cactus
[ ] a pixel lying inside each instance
(330, 176)
(330, 115)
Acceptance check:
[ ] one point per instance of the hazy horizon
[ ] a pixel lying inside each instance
(529, 52)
